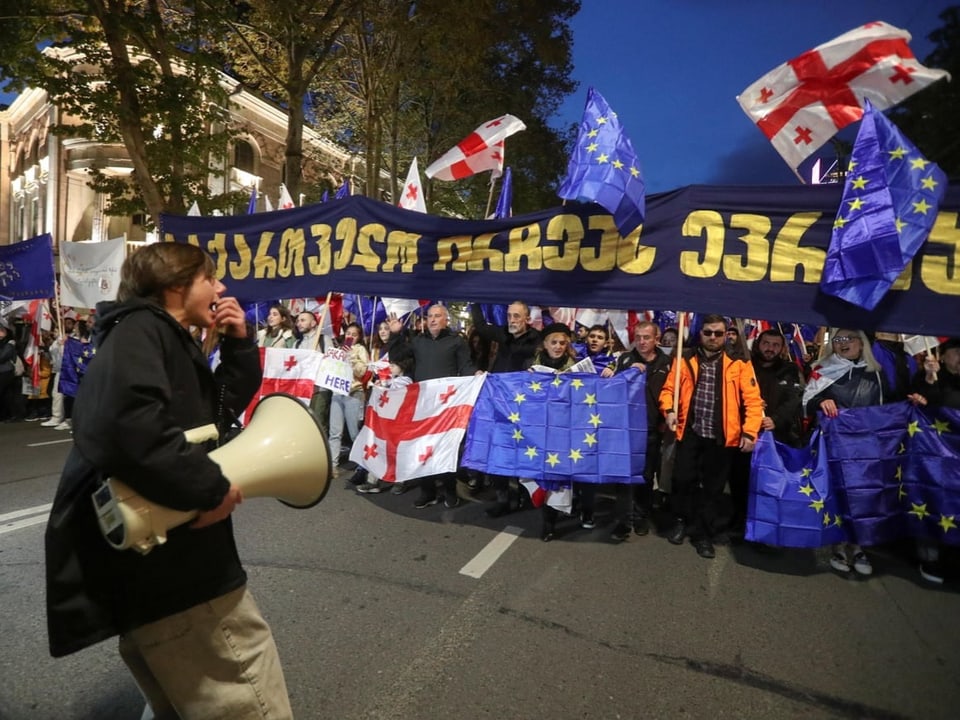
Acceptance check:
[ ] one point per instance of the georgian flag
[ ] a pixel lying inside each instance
(285, 202)
(826, 374)
(416, 430)
(289, 371)
(411, 196)
(804, 102)
(481, 150)
(560, 499)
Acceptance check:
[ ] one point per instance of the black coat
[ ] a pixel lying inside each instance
(782, 395)
(445, 355)
(945, 392)
(513, 352)
(148, 382)
(656, 371)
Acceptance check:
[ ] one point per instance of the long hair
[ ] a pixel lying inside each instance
(150, 270)
(866, 354)
(286, 321)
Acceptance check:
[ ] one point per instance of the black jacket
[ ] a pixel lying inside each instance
(512, 351)
(656, 371)
(782, 394)
(148, 382)
(945, 392)
(445, 355)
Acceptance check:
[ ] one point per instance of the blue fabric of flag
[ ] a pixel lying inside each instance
(791, 503)
(504, 207)
(76, 356)
(494, 314)
(864, 449)
(557, 428)
(929, 490)
(343, 191)
(26, 269)
(252, 205)
(890, 200)
(603, 167)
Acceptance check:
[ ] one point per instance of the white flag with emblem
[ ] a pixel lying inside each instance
(411, 196)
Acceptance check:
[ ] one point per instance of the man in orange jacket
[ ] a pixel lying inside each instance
(717, 413)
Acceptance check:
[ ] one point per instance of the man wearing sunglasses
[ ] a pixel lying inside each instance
(717, 412)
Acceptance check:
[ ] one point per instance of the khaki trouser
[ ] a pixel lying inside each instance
(215, 660)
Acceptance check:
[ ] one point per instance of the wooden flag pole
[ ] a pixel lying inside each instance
(678, 357)
(323, 316)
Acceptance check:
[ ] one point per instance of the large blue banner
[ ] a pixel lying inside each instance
(741, 251)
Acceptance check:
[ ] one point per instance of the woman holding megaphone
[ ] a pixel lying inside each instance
(149, 382)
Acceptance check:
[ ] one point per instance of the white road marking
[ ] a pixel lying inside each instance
(9, 522)
(50, 442)
(485, 559)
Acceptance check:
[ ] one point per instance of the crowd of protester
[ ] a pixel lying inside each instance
(703, 421)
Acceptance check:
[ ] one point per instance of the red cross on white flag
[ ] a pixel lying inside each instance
(804, 102)
(289, 371)
(411, 196)
(285, 202)
(481, 150)
(416, 430)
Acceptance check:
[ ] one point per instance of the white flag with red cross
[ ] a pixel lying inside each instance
(416, 430)
(289, 371)
(411, 196)
(285, 202)
(801, 104)
(481, 150)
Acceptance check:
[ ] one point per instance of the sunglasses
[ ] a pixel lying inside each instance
(844, 338)
(714, 333)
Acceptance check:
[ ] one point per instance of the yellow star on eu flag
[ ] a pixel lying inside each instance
(913, 428)
(519, 398)
(577, 383)
(837, 521)
(899, 473)
(919, 510)
(591, 399)
(806, 489)
(919, 163)
(901, 493)
(897, 154)
(921, 207)
(806, 472)
(530, 452)
(592, 147)
(929, 183)
(590, 439)
(817, 505)
(535, 386)
(900, 225)
(839, 222)
(517, 435)
(826, 519)
(860, 182)
(557, 382)
(593, 133)
(602, 158)
(941, 426)
(553, 459)
(947, 523)
(902, 449)
(514, 417)
(595, 420)
(856, 203)
(575, 454)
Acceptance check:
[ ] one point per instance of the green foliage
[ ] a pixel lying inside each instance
(929, 118)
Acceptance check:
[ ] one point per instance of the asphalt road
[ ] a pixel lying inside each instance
(374, 618)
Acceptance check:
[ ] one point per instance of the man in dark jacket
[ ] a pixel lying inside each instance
(635, 502)
(148, 383)
(437, 353)
(516, 344)
(780, 388)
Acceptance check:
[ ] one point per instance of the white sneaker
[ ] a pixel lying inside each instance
(65, 425)
(838, 561)
(861, 563)
(52, 422)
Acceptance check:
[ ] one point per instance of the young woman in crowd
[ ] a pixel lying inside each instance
(279, 330)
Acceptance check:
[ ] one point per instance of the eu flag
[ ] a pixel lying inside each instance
(76, 356)
(928, 486)
(889, 205)
(26, 269)
(504, 207)
(791, 501)
(560, 427)
(343, 191)
(603, 167)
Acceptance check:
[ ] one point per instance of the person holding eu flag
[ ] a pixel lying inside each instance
(848, 376)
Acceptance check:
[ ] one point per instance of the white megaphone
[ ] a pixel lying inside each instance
(282, 453)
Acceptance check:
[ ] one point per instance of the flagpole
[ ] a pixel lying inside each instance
(681, 318)
(323, 316)
(493, 180)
